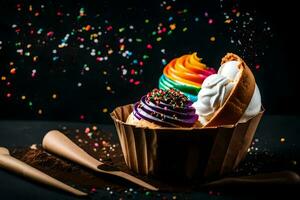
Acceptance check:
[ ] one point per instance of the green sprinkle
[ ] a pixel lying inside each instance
(145, 57)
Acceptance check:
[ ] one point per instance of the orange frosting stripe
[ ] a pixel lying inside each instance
(187, 69)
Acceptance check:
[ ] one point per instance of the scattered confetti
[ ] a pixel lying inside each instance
(212, 39)
(93, 47)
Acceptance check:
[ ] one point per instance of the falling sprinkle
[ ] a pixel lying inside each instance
(40, 111)
(50, 34)
(13, 71)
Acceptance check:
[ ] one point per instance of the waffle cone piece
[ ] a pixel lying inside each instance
(239, 98)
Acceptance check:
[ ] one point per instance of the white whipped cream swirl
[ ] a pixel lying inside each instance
(216, 89)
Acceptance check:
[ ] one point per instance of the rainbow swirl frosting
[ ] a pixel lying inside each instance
(185, 74)
(168, 108)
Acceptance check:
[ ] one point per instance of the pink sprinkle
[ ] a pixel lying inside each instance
(136, 82)
(149, 46)
(8, 95)
(131, 80)
(99, 58)
(81, 117)
(141, 63)
(109, 28)
(257, 66)
(206, 14)
(210, 192)
(59, 13)
(210, 21)
(164, 29)
(8, 83)
(87, 130)
(93, 190)
(132, 71)
(96, 144)
(50, 34)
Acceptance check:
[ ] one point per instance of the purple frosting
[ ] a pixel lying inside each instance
(168, 108)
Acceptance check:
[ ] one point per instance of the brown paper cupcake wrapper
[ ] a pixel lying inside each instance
(185, 153)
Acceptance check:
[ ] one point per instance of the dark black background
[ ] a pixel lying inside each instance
(277, 78)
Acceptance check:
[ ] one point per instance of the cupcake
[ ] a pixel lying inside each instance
(163, 108)
(160, 135)
(185, 74)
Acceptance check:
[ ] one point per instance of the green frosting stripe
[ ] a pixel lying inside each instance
(179, 86)
(191, 92)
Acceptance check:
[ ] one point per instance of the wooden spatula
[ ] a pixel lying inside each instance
(59, 144)
(14, 165)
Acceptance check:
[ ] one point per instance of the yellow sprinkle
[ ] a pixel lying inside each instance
(110, 51)
(212, 39)
(238, 14)
(54, 96)
(3, 78)
(158, 39)
(40, 111)
(172, 26)
(184, 29)
(104, 110)
(23, 97)
(282, 140)
(104, 72)
(108, 88)
(228, 21)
